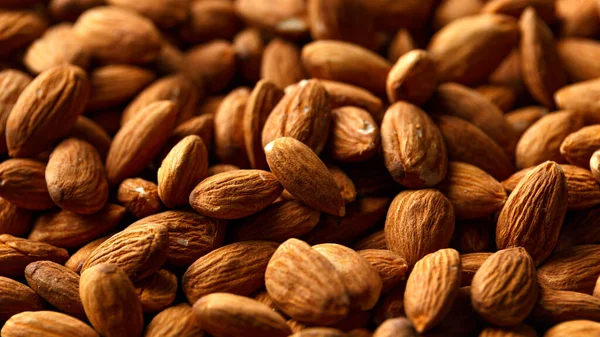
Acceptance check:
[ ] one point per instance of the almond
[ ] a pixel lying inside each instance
(46, 323)
(202, 126)
(212, 64)
(139, 197)
(284, 17)
(514, 8)
(469, 49)
(182, 169)
(249, 47)
(574, 269)
(521, 119)
(413, 229)
(91, 132)
(17, 297)
(413, 148)
(583, 189)
(304, 175)
(303, 114)
(24, 185)
(12, 83)
(595, 165)
(579, 146)
(503, 96)
(341, 20)
(14, 220)
(574, 328)
(110, 301)
(579, 228)
(521, 330)
(534, 212)
(207, 20)
(431, 288)
(376, 240)
(138, 251)
(344, 183)
(474, 235)
(578, 18)
(17, 253)
(575, 54)
(115, 84)
(175, 321)
(399, 326)
(472, 192)
(556, 306)
(391, 267)
(281, 63)
(581, 98)
(67, 229)
(223, 314)
(237, 268)
(166, 13)
(412, 78)
(138, 141)
(354, 135)
(76, 261)
(69, 10)
(157, 291)
(221, 168)
(46, 109)
(230, 146)
(504, 289)
(19, 28)
(470, 265)
(305, 285)
(343, 94)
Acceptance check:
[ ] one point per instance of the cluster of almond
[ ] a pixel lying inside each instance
(250, 168)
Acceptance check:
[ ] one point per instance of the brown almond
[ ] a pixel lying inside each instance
(14, 220)
(110, 301)
(175, 321)
(450, 10)
(249, 47)
(574, 328)
(58, 285)
(401, 43)
(16, 298)
(46, 109)
(555, 306)
(76, 261)
(544, 8)
(579, 146)
(91, 132)
(19, 28)
(582, 188)
(578, 18)
(24, 185)
(521, 119)
(17, 253)
(284, 17)
(318, 332)
(470, 264)
(138, 141)
(376, 240)
(115, 84)
(354, 135)
(69, 10)
(474, 235)
(202, 126)
(281, 63)
(305, 285)
(534, 212)
(542, 69)
(230, 145)
(581, 98)
(509, 72)
(170, 60)
(505, 289)
(413, 229)
(69, 230)
(207, 20)
(412, 78)
(136, 41)
(237, 268)
(157, 291)
(344, 183)
(503, 96)
(579, 228)
(235, 194)
(12, 83)
(575, 269)
(182, 169)
(399, 327)
(413, 148)
(595, 165)
(46, 323)
(431, 288)
(343, 94)
(391, 267)
(575, 55)
(139, 197)
(166, 13)
(472, 192)
(521, 330)
(138, 251)
(212, 64)
(469, 49)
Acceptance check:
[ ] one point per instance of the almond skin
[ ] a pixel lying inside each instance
(76, 261)
(17, 297)
(344, 183)
(391, 267)
(175, 321)
(281, 63)
(431, 288)
(230, 145)
(24, 185)
(110, 301)
(595, 165)
(534, 212)
(575, 55)
(138, 251)
(555, 306)
(413, 230)
(579, 146)
(249, 46)
(354, 135)
(470, 264)
(574, 328)
(235, 194)
(343, 94)
(156, 292)
(202, 126)
(521, 330)
(182, 169)
(115, 84)
(138, 141)
(75, 177)
(521, 119)
(399, 326)
(412, 78)
(139, 197)
(14, 220)
(12, 83)
(91, 132)
(504, 289)
(237, 268)
(413, 148)
(472, 192)
(46, 323)
(213, 64)
(574, 269)
(503, 96)
(19, 28)
(46, 109)
(17, 253)
(545, 9)
(305, 285)
(581, 98)
(223, 315)
(304, 175)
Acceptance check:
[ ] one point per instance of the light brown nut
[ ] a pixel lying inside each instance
(69, 230)
(281, 63)
(165, 13)
(305, 285)
(318, 332)
(57, 46)
(392, 268)
(467, 143)
(595, 165)
(46, 323)
(14, 220)
(182, 169)
(542, 70)
(344, 183)
(509, 72)
(376, 240)
(431, 288)
(472, 192)
(139, 197)
(346, 62)
(521, 330)
(579, 146)
(474, 235)
(575, 55)
(110, 301)
(284, 17)
(582, 189)
(235, 194)
(412, 78)
(224, 315)
(58, 285)
(361, 279)
(574, 328)
(413, 148)
(249, 47)
(450, 10)
(304, 175)
(303, 114)
(170, 60)
(91, 132)
(70, 10)
(470, 264)
(574, 269)
(175, 321)
(75, 177)
(19, 28)
(469, 49)
(581, 98)
(343, 94)
(212, 64)
(24, 185)
(138, 251)
(505, 289)
(115, 84)
(202, 126)
(12, 83)
(136, 41)
(578, 18)
(399, 327)
(534, 212)
(230, 146)
(419, 222)
(17, 297)
(209, 20)
(354, 135)
(237, 268)
(157, 291)
(138, 141)
(280, 221)
(521, 119)
(503, 96)
(17, 253)
(544, 8)
(555, 306)
(392, 15)
(46, 110)
(76, 261)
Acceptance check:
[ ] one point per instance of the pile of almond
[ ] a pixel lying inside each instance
(306, 168)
